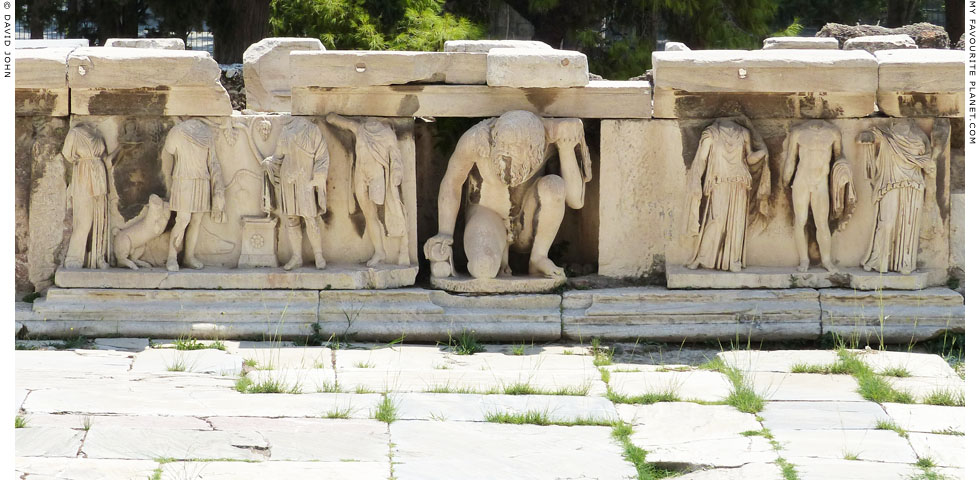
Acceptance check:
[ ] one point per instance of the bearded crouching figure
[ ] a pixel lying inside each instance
(733, 162)
(298, 169)
(193, 179)
(817, 145)
(376, 184)
(512, 204)
(899, 160)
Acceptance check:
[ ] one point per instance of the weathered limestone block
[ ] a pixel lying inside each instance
(599, 99)
(41, 86)
(356, 68)
(161, 43)
(921, 83)
(626, 314)
(266, 70)
(957, 231)
(873, 43)
(429, 315)
(895, 315)
(484, 46)
(676, 47)
(52, 43)
(800, 43)
(764, 83)
(142, 81)
(39, 202)
(536, 68)
(162, 313)
(644, 208)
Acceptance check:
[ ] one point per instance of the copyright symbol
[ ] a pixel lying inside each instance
(6, 5)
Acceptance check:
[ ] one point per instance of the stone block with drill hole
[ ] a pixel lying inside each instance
(764, 83)
(536, 68)
(484, 46)
(357, 68)
(161, 43)
(921, 83)
(145, 81)
(266, 71)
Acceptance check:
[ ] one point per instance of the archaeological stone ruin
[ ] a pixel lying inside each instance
(496, 188)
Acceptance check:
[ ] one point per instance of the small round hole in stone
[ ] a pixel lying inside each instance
(742, 73)
(564, 62)
(360, 68)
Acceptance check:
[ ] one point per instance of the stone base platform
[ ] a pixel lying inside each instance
(628, 314)
(412, 314)
(334, 277)
(681, 277)
(516, 284)
(420, 315)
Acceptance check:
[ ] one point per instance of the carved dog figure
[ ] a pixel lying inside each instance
(130, 242)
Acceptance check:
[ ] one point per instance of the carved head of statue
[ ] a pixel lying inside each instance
(265, 128)
(517, 146)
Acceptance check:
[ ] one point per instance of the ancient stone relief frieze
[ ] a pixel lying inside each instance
(498, 175)
(251, 193)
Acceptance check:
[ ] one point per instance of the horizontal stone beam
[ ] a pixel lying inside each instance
(484, 46)
(599, 99)
(764, 83)
(161, 43)
(41, 83)
(536, 68)
(357, 68)
(800, 43)
(921, 82)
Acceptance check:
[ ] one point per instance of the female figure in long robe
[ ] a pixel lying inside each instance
(89, 245)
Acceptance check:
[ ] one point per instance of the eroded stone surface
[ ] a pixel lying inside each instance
(873, 43)
(927, 418)
(342, 470)
(749, 471)
(867, 445)
(944, 450)
(309, 439)
(161, 43)
(47, 441)
(803, 386)
(484, 46)
(197, 361)
(484, 451)
(266, 71)
(915, 364)
(536, 68)
(822, 415)
(776, 360)
(921, 83)
(476, 408)
(140, 444)
(353, 68)
(83, 468)
(800, 43)
(695, 385)
(824, 469)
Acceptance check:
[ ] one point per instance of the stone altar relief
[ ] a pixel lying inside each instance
(646, 224)
(217, 202)
(731, 175)
(499, 176)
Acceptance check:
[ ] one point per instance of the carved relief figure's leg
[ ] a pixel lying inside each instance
(403, 258)
(820, 202)
(372, 223)
(713, 230)
(801, 211)
(295, 236)
(81, 224)
(885, 231)
(313, 234)
(190, 245)
(550, 193)
(484, 242)
(176, 239)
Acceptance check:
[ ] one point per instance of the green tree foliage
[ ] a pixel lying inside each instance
(817, 13)
(371, 24)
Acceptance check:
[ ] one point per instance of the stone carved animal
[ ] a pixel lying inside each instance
(129, 242)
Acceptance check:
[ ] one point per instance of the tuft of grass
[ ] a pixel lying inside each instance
(788, 469)
(87, 423)
(20, 422)
(899, 372)
(567, 352)
(362, 389)
(517, 349)
(925, 462)
(242, 384)
(157, 473)
(541, 417)
(179, 364)
(871, 386)
(716, 364)
(810, 368)
(604, 375)
(191, 343)
(891, 425)
(601, 357)
(946, 397)
(269, 385)
(363, 365)
(447, 388)
(948, 431)
(525, 388)
(848, 455)
(329, 387)
(251, 362)
(743, 397)
(648, 398)
(385, 411)
(72, 343)
(339, 412)
(637, 456)
(465, 344)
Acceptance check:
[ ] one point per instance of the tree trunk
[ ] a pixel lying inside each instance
(236, 25)
(901, 12)
(955, 19)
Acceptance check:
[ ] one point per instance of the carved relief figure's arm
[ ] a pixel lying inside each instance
(694, 190)
(217, 187)
(568, 134)
(792, 152)
(167, 161)
(342, 122)
(450, 189)
(838, 148)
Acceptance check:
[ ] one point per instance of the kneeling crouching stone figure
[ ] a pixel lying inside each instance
(512, 203)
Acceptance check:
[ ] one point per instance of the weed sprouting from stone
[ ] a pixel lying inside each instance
(385, 411)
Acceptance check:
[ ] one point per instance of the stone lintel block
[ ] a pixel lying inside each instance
(599, 99)
(873, 43)
(37, 102)
(429, 315)
(484, 46)
(151, 101)
(340, 277)
(800, 43)
(41, 83)
(356, 68)
(676, 47)
(898, 315)
(166, 313)
(625, 314)
(266, 71)
(161, 43)
(51, 43)
(536, 68)
(921, 83)
(764, 83)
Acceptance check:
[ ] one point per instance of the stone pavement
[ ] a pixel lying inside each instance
(128, 408)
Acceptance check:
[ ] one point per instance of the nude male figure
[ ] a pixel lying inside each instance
(511, 202)
(816, 144)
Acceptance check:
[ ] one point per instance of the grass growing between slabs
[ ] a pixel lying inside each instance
(542, 417)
